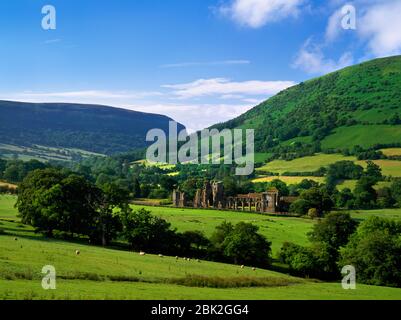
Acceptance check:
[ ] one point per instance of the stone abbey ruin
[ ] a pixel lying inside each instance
(212, 196)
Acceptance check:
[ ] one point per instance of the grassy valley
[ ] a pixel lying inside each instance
(330, 147)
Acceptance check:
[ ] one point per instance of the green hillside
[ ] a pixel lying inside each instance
(61, 130)
(359, 105)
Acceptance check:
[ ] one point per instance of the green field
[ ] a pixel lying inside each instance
(288, 179)
(92, 290)
(364, 136)
(101, 273)
(262, 157)
(275, 229)
(305, 164)
(351, 184)
(384, 213)
(42, 153)
(313, 163)
(389, 167)
(7, 210)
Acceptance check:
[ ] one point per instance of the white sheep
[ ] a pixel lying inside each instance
(142, 253)
(77, 252)
(160, 255)
(242, 267)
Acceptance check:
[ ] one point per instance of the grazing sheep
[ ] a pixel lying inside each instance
(242, 267)
(254, 269)
(160, 255)
(176, 258)
(77, 252)
(142, 253)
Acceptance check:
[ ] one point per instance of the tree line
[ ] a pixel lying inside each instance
(372, 247)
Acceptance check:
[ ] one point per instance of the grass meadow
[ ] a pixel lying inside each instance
(107, 273)
(347, 137)
(275, 229)
(305, 164)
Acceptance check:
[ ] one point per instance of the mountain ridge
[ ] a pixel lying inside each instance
(91, 127)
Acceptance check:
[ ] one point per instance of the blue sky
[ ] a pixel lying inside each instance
(198, 61)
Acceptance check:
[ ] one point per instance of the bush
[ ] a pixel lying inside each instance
(149, 233)
(319, 199)
(240, 244)
(300, 206)
(334, 230)
(158, 194)
(299, 259)
(375, 251)
(166, 202)
(193, 243)
(345, 199)
(314, 261)
(396, 191)
(313, 213)
(365, 194)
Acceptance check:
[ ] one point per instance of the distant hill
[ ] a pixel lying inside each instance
(359, 105)
(93, 128)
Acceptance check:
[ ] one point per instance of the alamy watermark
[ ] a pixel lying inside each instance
(49, 21)
(349, 280)
(49, 280)
(348, 21)
(204, 147)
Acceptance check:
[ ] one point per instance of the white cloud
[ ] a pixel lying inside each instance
(312, 60)
(257, 13)
(222, 86)
(205, 64)
(231, 96)
(334, 27)
(196, 116)
(380, 26)
(95, 96)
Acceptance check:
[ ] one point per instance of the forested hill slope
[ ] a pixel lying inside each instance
(359, 105)
(94, 128)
